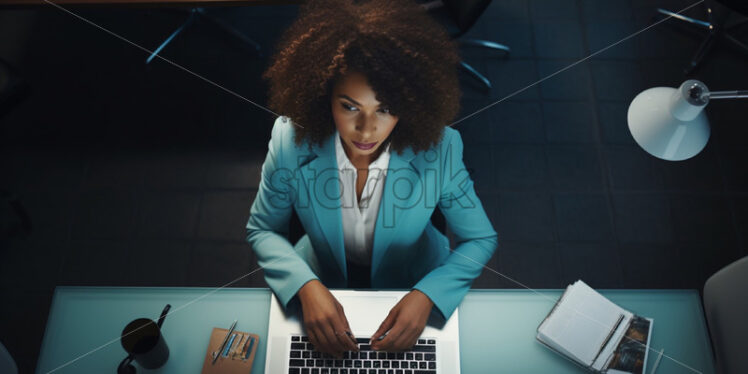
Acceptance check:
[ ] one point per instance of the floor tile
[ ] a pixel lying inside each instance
(614, 127)
(168, 214)
(520, 167)
(234, 169)
(215, 264)
(612, 39)
(616, 80)
(557, 39)
(564, 80)
(526, 217)
(595, 10)
(569, 122)
(699, 173)
(528, 265)
(699, 261)
(105, 214)
(158, 263)
(702, 220)
(630, 168)
(184, 169)
(95, 263)
(739, 207)
(31, 264)
(554, 9)
(583, 217)
(651, 266)
(597, 264)
(122, 169)
(507, 10)
(478, 161)
(642, 218)
(224, 215)
(574, 168)
(513, 79)
(732, 161)
(517, 122)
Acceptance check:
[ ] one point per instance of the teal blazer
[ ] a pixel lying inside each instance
(408, 252)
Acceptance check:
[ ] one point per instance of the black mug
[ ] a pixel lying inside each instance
(144, 343)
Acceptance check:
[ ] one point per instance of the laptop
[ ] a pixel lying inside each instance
(290, 352)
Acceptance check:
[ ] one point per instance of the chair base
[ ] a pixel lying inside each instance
(481, 44)
(715, 31)
(200, 12)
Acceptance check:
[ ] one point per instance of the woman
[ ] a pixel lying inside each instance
(363, 155)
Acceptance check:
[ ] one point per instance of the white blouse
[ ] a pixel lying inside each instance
(359, 219)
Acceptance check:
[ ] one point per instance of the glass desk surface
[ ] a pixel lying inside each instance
(497, 327)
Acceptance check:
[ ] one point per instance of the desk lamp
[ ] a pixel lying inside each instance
(670, 123)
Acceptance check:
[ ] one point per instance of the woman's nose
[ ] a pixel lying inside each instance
(366, 126)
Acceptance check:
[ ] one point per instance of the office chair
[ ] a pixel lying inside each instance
(197, 13)
(296, 230)
(458, 17)
(7, 365)
(716, 28)
(726, 306)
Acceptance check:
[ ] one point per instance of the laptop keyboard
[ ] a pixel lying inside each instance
(421, 359)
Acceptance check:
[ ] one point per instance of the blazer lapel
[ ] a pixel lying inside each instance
(403, 190)
(323, 196)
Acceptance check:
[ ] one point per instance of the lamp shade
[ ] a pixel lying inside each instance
(670, 123)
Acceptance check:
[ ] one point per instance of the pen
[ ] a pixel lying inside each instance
(228, 334)
(249, 348)
(227, 349)
(238, 346)
(607, 339)
(350, 335)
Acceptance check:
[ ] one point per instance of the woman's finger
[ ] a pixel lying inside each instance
(313, 339)
(334, 346)
(387, 324)
(410, 340)
(353, 346)
(341, 326)
(392, 336)
(324, 345)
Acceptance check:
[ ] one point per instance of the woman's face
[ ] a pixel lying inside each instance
(362, 123)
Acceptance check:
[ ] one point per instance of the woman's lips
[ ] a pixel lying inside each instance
(364, 146)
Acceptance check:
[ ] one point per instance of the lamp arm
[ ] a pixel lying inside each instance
(737, 94)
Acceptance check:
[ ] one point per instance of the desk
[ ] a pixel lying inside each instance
(497, 327)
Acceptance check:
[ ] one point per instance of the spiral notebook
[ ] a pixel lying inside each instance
(595, 333)
(237, 355)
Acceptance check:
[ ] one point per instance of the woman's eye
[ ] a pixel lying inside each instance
(351, 108)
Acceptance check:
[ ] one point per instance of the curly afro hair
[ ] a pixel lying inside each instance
(409, 61)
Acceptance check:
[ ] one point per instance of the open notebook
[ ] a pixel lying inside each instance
(596, 333)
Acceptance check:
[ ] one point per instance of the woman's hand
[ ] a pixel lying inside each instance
(324, 320)
(405, 322)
